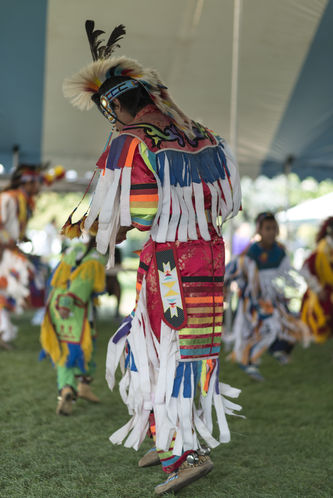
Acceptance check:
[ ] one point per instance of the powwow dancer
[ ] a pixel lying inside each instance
(317, 304)
(68, 332)
(176, 179)
(17, 203)
(262, 319)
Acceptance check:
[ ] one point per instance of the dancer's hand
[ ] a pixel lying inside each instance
(121, 235)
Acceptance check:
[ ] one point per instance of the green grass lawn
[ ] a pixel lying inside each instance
(283, 449)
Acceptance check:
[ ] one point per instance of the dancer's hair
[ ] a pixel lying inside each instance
(265, 216)
(133, 100)
(326, 226)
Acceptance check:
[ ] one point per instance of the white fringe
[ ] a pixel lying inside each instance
(102, 187)
(155, 225)
(7, 329)
(214, 203)
(183, 222)
(151, 388)
(165, 208)
(227, 204)
(234, 178)
(175, 216)
(200, 210)
(17, 287)
(108, 215)
(113, 230)
(223, 210)
(192, 229)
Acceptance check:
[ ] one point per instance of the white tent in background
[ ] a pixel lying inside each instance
(309, 211)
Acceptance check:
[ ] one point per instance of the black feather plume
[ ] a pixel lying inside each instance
(116, 35)
(99, 51)
(92, 38)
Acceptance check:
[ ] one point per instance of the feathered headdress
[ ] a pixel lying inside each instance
(99, 51)
(28, 172)
(83, 85)
(25, 173)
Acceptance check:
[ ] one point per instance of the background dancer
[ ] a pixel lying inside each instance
(317, 304)
(173, 177)
(17, 203)
(263, 321)
(68, 331)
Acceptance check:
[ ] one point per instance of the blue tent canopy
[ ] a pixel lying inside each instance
(285, 97)
(306, 128)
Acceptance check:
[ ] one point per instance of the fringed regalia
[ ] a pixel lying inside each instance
(174, 178)
(317, 304)
(17, 273)
(78, 279)
(15, 269)
(155, 178)
(262, 315)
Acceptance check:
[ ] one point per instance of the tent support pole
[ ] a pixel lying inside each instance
(238, 4)
(287, 170)
(234, 75)
(234, 91)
